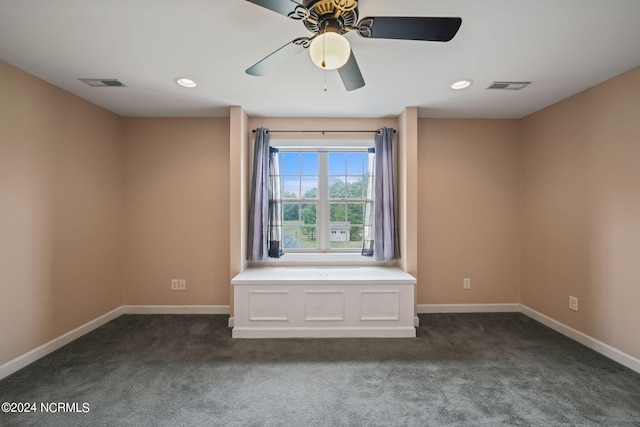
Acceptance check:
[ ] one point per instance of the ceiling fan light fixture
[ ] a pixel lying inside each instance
(330, 50)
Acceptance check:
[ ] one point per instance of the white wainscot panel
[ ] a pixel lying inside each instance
(324, 306)
(380, 305)
(268, 306)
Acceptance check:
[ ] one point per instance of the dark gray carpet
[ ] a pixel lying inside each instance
(462, 370)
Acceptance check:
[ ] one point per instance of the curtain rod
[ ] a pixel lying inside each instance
(322, 131)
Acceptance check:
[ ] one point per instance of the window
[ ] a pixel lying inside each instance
(324, 194)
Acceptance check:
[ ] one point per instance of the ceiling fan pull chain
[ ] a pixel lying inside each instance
(325, 80)
(324, 63)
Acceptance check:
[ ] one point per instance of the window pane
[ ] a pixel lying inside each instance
(338, 212)
(309, 187)
(355, 187)
(355, 213)
(354, 163)
(308, 214)
(355, 237)
(300, 226)
(290, 163)
(299, 237)
(291, 187)
(368, 167)
(337, 187)
(309, 164)
(291, 213)
(337, 163)
(291, 236)
(365, 187)
(309, 236)
(339, 229)
(338, 244)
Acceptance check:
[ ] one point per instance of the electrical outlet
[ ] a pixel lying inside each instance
(573, 303)
(174, 284)
(466, 284)
(182, 285)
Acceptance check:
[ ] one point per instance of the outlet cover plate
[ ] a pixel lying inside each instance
(573, 303)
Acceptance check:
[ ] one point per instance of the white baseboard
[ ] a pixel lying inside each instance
(176, 309)
(416, 321)
(468, 308)
(324, 332)
(230, 322)
(584, 339)
(38, 353)
(590, 342)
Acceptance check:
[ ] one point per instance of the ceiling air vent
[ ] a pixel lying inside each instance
(508, 85)
(104, 82)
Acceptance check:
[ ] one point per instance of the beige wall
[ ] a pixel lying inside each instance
(97, 211)
(468, 211)
(60, 212)
(176, 217)
(581, 211)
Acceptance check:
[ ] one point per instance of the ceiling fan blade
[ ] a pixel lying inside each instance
(433, 29)
(351, 75)
(284, 7)
(278, 57)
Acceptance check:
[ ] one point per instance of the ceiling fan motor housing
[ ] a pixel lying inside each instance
(339, 15)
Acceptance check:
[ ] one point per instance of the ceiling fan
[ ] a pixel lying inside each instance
(328, 20)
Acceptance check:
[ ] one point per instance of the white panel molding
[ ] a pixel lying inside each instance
(39, 352)
(176, 309)
(468, 308)
(584, 339)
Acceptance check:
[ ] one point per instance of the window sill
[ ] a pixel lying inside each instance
(321, 259)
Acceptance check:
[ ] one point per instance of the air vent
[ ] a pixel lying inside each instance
(508, 85)
(104, 82)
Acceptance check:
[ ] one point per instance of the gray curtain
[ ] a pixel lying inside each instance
(386, 233)
(265, 211)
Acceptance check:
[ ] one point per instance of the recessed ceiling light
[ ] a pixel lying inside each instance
(461, 84)
(185, 82)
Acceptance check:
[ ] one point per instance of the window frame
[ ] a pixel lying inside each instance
(323, 202)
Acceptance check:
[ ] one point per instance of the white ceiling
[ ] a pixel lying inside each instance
(562, 46)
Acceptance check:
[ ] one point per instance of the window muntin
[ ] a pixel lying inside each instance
(324, 192)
